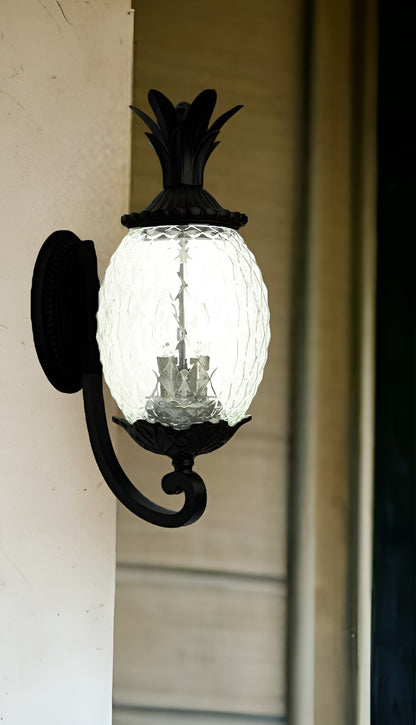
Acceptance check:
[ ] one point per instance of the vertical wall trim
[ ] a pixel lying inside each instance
(333, 386)
(366, 121)
(301, 498)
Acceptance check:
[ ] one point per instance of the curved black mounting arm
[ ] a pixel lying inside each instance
(187, 480)
(64, 303)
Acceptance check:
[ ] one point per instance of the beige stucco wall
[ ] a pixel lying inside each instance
(64, 163)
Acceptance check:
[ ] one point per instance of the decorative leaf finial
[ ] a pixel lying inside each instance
(181, 137)
(183, 141)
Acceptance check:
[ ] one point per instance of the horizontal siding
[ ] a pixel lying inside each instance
(193, 641)
(244, 527)
(205, 630)
(140, 716)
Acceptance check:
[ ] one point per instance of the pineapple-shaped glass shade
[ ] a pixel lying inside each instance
(183, 325)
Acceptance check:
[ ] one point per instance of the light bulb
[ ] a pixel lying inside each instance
(183, 325)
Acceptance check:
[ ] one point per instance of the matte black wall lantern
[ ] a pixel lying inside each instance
(180, 326)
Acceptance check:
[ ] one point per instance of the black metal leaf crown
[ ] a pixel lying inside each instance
(181, 137)
(183, 141)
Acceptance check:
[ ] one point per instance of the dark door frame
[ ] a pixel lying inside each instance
(394, 564)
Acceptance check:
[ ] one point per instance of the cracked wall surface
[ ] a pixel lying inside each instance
(64, 163)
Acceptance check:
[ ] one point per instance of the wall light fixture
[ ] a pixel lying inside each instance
(180, 325)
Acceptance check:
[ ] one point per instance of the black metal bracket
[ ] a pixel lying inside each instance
(64, 303)
(186, 480)
(64, 287)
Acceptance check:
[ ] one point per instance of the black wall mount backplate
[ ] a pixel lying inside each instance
(64, 301)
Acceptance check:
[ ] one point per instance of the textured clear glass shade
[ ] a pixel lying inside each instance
(183, 325)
